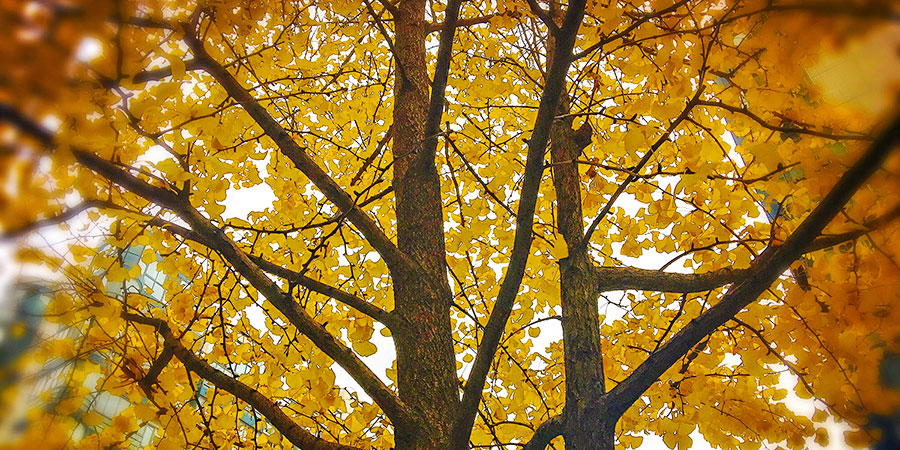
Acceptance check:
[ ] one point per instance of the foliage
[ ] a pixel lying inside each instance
(317, 215)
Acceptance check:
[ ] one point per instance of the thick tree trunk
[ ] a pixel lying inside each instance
(425, 358)
(578, 294)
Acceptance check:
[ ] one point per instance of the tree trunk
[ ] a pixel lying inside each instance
(426, 366)
(578, 294)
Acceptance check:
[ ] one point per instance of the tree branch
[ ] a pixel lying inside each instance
(392, 256)
(622, 278)
(163, 72)
(439, 82)
(55, 220)
(284, 424)
(215, 239)
(545, 433)
(637, 168)
(432, 27)
(636, 23)
(543, 15)
(534, 167)
(382, 316)
(783, 129)
(768, 267)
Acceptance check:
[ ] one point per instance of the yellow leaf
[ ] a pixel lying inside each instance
(91, 419)
(365, 348)
(633, 140)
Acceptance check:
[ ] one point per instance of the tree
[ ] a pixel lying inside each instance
(466, 179)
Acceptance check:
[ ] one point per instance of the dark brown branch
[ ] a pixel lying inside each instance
(9, 114)
(215, 239)
(543, 15)
(146, 383)
(147, 22)
(545, 433)
(783, 129)
(622, 278)
(390, 7)
(439, 83)
(344, 297)
(534, 169)
(767, 268)
(55, 220)
(830, 240)
(387, 39)
(393, 257)
(432, 27)
(265, 406)
(292, 276)
(145, 76)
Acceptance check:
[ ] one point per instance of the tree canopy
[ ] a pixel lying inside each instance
(419, 224)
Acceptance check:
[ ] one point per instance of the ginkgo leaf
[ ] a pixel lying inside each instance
(91, 419)
(365, 348)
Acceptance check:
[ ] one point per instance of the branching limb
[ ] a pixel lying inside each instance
(640, 165)
(783, 129)
(767, 268)
(830, 240)
(622, 278)
(55, 220)
(273, 413)
(625, 32)
(545, 433)
(145, 76)
(439, 82)
(215, 239)
(534, 168)
(382, 316)
(299, 278)
(432, 27)
(146, 383)
(376, 237)
(543, 15)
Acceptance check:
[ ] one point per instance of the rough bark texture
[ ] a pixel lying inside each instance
(578, 292)
(425, 358)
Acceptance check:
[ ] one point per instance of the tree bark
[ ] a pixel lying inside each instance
(426, 366)
(578, 293)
